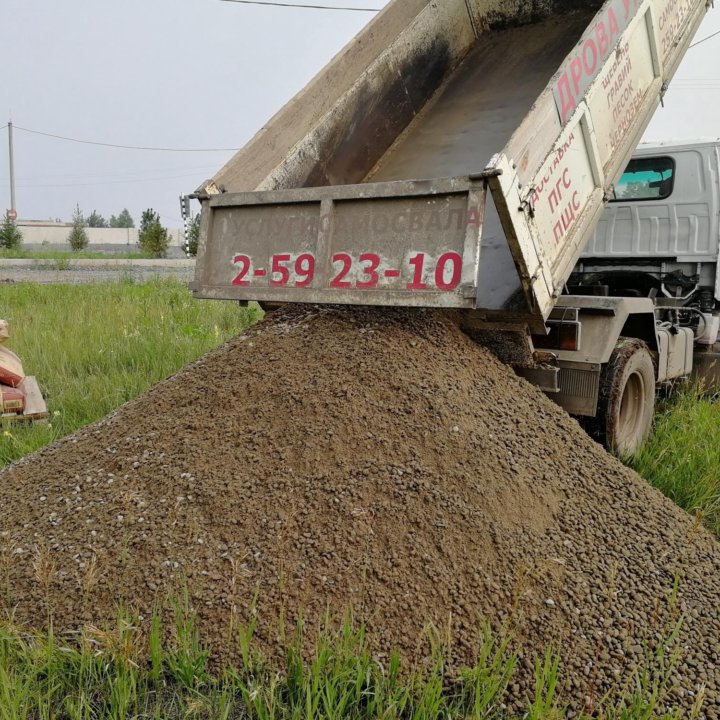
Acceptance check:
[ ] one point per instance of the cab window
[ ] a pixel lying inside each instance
(646, 179)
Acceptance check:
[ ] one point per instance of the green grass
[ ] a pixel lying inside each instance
(22, 254)
(94, 347)
(119, 673)
(682, 457)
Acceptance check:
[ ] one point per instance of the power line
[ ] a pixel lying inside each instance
(709, 37)
(123, 147)
(300, 5)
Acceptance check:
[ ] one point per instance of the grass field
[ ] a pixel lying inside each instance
(94, 347)
(682, 458)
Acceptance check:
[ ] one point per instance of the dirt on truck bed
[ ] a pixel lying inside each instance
(368, 459)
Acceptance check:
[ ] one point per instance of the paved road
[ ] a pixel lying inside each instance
(72, 272)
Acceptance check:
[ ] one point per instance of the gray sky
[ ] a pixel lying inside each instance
(192, 74)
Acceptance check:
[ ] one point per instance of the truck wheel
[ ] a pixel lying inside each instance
(627, 398)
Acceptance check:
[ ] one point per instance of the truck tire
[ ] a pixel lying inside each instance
(627, 398)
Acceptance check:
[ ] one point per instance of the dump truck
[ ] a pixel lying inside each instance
(460, 155)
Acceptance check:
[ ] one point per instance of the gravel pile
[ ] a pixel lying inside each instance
(372, 460)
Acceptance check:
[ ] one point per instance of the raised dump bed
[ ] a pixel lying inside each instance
(373, 185)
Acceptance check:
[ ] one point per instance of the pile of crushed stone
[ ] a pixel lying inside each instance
(372, 460)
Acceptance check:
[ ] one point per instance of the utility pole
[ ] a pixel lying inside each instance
(12, 214)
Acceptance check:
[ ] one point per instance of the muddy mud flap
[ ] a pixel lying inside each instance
(579, 388)
(545, 378)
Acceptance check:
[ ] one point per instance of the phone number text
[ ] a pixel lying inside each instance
(365, 271)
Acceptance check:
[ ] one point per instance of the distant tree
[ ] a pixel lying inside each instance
(123, 220)
(95, 220)
(153, 237)
(10, 235)
(78, 237)
(193, 236)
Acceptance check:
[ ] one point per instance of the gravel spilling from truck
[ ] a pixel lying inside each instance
(372, 460)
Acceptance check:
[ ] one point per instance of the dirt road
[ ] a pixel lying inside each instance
(74, 272)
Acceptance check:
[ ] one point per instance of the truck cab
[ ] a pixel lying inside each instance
(648, 278)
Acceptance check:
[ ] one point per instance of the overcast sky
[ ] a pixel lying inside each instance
(191, 74)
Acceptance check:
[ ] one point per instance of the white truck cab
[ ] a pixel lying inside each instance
(647, 278)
